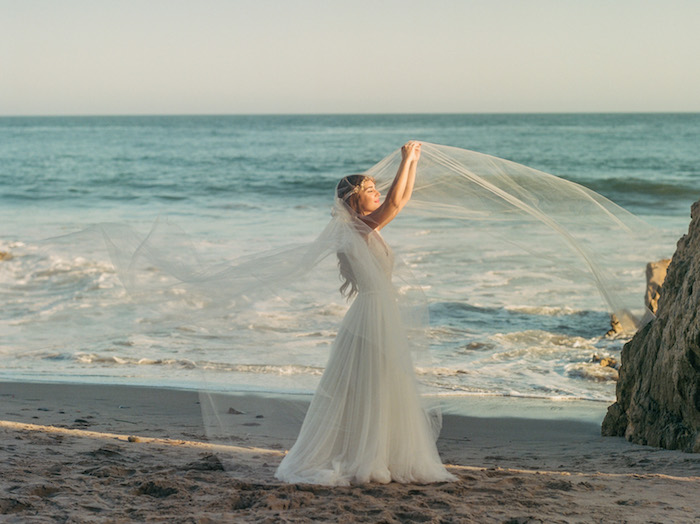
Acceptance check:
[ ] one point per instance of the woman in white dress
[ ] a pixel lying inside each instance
(366, 422)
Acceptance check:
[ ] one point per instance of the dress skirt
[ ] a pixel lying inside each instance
(366, 422)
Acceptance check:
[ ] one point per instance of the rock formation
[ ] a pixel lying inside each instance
(658, 392)
(615, 327)
(656, 274)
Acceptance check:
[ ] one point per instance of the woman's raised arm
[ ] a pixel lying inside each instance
(401, 188)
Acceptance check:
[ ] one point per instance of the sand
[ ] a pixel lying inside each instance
(87, 453)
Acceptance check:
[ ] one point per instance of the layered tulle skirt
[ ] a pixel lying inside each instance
(366, 422)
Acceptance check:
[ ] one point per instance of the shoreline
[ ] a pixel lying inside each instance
(476, 430)
(105, 452)
(457, 403)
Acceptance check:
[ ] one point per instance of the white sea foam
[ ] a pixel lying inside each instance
(542, 310)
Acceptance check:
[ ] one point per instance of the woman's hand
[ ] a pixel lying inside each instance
(410, 151)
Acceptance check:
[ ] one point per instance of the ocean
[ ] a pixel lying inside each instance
(238, 185)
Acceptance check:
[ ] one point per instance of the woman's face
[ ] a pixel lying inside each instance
(368, 197)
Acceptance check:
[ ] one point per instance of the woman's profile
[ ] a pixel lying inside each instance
(366, 422)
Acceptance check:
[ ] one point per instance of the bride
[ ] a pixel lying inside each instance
(365, 422)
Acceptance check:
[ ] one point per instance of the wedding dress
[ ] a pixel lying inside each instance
(366, 422)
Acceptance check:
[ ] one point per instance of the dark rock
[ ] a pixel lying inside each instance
(658, 392)
(615, 422)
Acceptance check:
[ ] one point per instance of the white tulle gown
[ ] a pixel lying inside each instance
(366, 422)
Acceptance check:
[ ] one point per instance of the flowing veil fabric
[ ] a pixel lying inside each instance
(548, 217)
(556, 219)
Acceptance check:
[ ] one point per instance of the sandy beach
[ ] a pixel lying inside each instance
(91, 453)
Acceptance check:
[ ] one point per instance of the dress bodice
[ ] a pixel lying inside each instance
(373, 268)
(381, 251)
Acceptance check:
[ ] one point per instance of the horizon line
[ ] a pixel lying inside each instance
(425, 113)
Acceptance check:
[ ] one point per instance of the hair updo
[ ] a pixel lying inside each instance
(349, 188)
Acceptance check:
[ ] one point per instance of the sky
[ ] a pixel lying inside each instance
(100, 57)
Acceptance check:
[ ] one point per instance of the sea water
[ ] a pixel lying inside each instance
(243, 184)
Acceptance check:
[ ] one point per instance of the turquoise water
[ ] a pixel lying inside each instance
(240, 184)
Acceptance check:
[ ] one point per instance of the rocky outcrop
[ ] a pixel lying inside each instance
(615, 327)
(658, 392)
(656, 274)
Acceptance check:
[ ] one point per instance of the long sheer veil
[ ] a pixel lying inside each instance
(547, 216)
(550, 218)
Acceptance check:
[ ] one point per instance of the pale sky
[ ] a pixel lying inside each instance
(77, 57)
